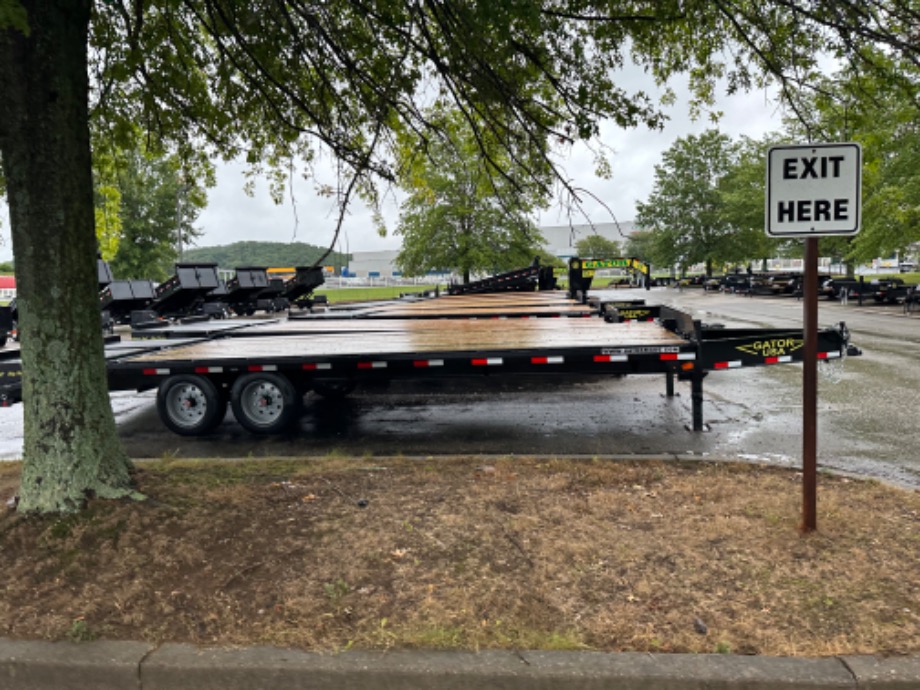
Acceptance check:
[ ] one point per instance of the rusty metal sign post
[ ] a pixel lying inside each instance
(810, 390)
(813, 190)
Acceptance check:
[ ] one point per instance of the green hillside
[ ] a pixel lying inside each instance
(265, 254)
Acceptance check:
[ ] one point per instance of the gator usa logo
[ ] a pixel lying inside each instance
(634, 314)
(773, 347)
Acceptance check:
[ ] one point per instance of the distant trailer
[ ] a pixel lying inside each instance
(519, 280)
(121, 297)
(240, 292)
(299, 288)
(185, 290)
(104, 273)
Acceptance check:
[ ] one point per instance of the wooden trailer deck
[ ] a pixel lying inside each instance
(308, 339)
(506, 304)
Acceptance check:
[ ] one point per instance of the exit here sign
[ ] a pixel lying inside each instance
(814, 190)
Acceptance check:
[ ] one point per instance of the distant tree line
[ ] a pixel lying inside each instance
(266, 254)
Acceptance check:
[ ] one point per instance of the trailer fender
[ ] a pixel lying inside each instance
(334, 389)
(264, 403)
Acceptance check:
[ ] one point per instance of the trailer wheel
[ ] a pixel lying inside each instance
(264, 403)
(190, 405)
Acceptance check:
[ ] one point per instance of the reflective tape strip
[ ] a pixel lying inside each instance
(728, 365)
(372, 365)
(488, 362)
(317, 366)
(547, 360)
(611, 358)
(677, 356)
(262, 367)
(778, 360)
(208, 370)
(425, 363)
(828, 355)
(155, 372)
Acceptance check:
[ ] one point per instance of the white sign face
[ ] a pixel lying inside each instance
(814, 190)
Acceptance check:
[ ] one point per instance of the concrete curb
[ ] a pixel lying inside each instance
(138, 666)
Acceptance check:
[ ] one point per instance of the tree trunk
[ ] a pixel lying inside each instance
(72, 450)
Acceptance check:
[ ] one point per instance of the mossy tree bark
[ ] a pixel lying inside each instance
(72, 450)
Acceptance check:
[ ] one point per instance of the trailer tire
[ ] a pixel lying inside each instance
(190, 405)
(264, 403)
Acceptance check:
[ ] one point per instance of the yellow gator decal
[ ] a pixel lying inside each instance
(634, 314)
(633, 264)
(774, 347)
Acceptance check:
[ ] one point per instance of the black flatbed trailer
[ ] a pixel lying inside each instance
(264, 367)
(519, 280)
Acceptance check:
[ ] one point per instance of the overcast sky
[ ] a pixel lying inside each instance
(233, 216)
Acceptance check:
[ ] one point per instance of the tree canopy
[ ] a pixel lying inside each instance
(841, 107)
(685, 211)
(156, 210)
(467, 210)
(343, 75)
(280, 82)
(882, 116)
(597, 247)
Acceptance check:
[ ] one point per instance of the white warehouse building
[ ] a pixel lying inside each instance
(559, 240)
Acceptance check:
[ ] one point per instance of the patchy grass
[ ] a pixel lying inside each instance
(331, 553)
(366, 294)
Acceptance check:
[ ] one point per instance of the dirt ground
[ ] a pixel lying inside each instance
(331, 553)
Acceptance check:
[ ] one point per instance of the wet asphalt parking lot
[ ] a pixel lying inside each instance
(867, 407)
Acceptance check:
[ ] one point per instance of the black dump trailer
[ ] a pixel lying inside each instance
(185, 290)
(269, 299)
(6, 323)
(122, 297)
(104, 272)
(105, 278)
(298, 289)
(241, 291)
